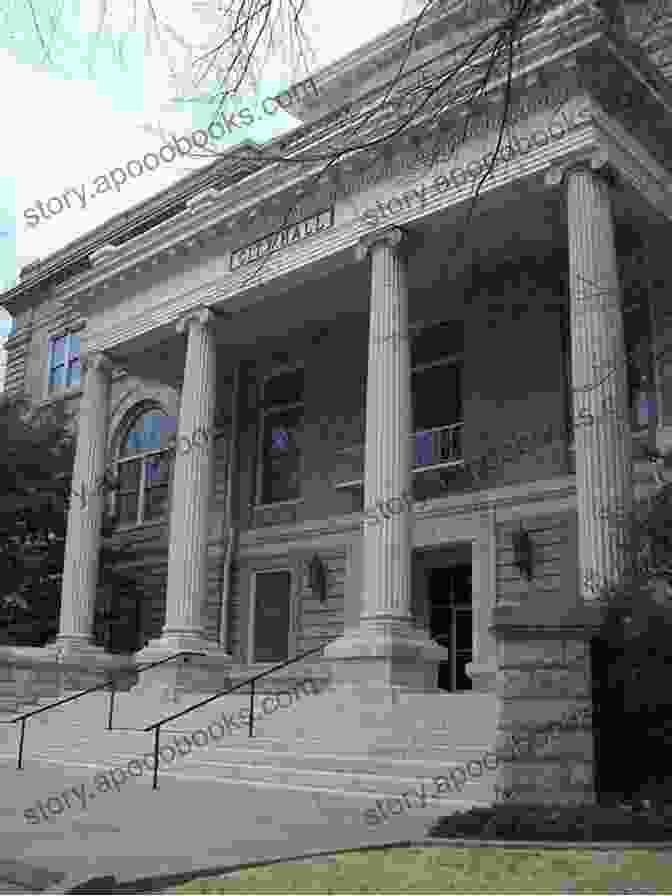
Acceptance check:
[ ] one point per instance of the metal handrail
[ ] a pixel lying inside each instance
(98, 687)
(156, 726)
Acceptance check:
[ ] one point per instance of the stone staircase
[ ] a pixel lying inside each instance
(335, 741)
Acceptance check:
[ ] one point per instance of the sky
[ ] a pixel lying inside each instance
(74, 117)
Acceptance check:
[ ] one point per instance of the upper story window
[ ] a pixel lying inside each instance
(639, 345)
(280, 432)
(436, 389)
(144, 469)
(64, 366)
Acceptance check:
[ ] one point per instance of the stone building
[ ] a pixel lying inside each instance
(268, 352)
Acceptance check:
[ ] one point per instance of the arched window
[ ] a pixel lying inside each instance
(144, 468)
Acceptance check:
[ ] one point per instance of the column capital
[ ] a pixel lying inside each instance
(97, 361)
(596, 162)
(203, 316)
(392, 237)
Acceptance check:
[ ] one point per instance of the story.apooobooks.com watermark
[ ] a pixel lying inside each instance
(106, 781)
(115, 178)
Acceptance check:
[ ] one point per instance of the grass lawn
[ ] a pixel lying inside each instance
(457, 870)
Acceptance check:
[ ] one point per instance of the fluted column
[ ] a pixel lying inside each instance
(192, 481)
(387, 472)
(599, 376)
(82, 546)
(187, 557)
(386, 630)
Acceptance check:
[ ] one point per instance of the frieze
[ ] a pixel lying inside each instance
(442, 146)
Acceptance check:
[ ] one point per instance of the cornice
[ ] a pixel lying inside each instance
(231, 164)
(216, 219)
(332, 242)
(195, 185)
(633, 163)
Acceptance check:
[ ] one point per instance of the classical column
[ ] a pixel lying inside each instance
(599, 376)
(192, 485)
(85, 516)
(387, 471)
(385, 628)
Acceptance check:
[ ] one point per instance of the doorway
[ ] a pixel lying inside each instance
(451, 622)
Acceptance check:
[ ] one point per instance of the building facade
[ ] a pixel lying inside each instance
(341, 410)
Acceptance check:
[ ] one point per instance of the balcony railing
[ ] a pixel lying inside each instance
(439, 448)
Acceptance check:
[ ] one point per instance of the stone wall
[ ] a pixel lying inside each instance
(544, 680)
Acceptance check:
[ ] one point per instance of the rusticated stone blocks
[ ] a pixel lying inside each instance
(544, 741)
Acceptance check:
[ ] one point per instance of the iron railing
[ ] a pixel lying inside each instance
(432, 449)
(156, 726)
(99, 687)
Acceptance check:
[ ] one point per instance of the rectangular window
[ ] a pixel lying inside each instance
(281, 430)
(641, 383)
(64, 365)
(143, 490)
(128, 492)
(272, 598)
(156, 486)
(436, 391)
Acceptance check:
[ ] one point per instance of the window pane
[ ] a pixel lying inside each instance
(281, 458)
(645, 409)
(433, 343)
(73, 347)
(156, 502)
(73, 373)
(57, 378)
(436, 397)
(127, 510)
(464, 629)
(461, 585)
(58, 351)
(285, 388)
(168, 429)
(271, 617)
(150, 432)
(129, 476)
(157, 470)
(424, 456)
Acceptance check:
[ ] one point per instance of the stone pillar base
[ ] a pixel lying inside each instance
(81, 664)
(76, 646)
(544, 736)
(190, 674)
(170, 644)
(386, 653)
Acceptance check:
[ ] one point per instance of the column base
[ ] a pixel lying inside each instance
(170, 644)
(80, 650)
(387, 653)
(203, 674)
(81, 664)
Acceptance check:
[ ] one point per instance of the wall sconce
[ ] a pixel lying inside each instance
(522, 552)
(317, 578)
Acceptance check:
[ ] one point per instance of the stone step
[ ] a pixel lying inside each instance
(393, 731)
(265, 764)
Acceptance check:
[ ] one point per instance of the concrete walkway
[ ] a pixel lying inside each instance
(187, 824)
